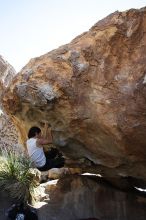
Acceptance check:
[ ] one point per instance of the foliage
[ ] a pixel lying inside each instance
(16, 177)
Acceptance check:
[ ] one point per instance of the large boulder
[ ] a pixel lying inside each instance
(92, 92)
(81, 197)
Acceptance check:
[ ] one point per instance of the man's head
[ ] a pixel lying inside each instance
(34, 132)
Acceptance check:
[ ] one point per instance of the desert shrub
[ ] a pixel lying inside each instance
(16, 177)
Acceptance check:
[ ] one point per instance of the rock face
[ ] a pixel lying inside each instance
(86, 198)
(92, 92)
(7, 72)
(8, 134)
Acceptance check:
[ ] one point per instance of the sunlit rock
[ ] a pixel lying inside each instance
(56, 173)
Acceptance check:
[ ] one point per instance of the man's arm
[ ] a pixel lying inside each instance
(47, 137)
(43, 141)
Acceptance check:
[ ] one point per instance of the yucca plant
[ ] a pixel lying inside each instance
(16, 177)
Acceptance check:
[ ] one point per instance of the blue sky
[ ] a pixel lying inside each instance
(30, 28)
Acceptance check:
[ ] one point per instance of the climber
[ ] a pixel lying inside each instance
(35, 147)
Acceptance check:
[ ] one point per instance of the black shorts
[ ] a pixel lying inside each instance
(54, 159)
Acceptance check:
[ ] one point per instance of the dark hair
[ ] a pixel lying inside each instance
(33, 131)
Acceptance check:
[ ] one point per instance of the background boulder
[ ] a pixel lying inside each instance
(82, 197)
